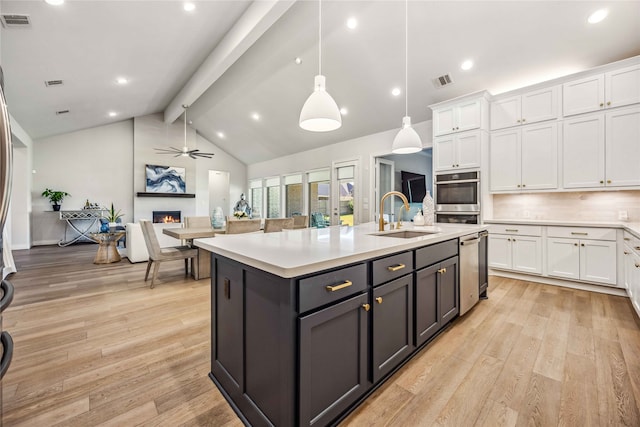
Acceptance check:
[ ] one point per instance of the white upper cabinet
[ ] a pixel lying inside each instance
(602, 150)
(524, 159)
(457, 151)
(531, 107)
(613, 89)
(459, 117)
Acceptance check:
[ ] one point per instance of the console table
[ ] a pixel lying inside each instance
(82, 222)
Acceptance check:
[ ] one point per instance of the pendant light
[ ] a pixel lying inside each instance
(320, 113)
(184, 152)
(407, 140)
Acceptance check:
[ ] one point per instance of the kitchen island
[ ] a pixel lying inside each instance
(305, 324)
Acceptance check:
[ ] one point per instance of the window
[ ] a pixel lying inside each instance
(293, 193)
(319, 208)
(273, 197)
(255, 198)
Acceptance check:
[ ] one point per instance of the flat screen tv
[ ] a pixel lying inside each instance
(414, 186)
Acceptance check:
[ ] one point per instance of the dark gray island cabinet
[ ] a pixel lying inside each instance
(305, 351)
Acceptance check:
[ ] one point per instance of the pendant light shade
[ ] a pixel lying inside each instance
(320, 113)
(407, 141)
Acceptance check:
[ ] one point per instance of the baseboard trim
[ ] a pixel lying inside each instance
(603, 289)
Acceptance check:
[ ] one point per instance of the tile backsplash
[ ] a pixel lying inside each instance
(574, 206)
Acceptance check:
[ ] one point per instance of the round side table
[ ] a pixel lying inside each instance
(107, 251)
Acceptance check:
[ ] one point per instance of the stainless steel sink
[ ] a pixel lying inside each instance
(405, 234)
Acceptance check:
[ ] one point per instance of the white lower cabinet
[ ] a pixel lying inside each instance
(515, 252)
(589, 260)
(632, 269)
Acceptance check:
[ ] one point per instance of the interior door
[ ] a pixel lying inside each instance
(384, 182)
(346, 194)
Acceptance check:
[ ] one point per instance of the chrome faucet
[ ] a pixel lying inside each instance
(391, 193)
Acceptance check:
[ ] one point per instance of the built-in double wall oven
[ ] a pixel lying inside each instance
(457, 197)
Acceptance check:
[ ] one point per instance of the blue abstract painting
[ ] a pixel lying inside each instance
(165, 179)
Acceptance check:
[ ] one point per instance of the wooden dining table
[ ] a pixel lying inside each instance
(201, 266)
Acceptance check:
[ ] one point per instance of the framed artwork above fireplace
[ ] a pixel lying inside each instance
(165, 179)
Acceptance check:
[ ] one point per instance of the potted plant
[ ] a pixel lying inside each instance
(55, 197)
(113, 216)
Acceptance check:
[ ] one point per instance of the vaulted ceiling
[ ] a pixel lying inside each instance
(249, 63)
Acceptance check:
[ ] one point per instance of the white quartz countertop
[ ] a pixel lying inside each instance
(293, 253)
(632, 227)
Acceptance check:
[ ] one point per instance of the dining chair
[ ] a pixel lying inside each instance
(300, 221)
(197, 222)
(158, 254)
(272, 225)
(237, 226)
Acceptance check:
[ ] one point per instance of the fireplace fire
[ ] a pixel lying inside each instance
(167, 217)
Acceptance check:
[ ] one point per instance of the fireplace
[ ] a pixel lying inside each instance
(167, 217)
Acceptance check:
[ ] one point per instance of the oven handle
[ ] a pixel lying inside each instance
(7, 287)
(7, 353)
(462, 181)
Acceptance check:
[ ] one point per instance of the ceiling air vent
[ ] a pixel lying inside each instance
(53, 83)
(443, 80)
(61, 112)
(15, 21)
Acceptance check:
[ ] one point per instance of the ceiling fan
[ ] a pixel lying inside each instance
(184, 151)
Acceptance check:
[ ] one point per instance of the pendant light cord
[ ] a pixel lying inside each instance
(319, 37)
(406, 58)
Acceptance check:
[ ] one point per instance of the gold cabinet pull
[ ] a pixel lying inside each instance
(576, 233)
(608, 181)
(396, 267)
(601, 182)
(637, 248)
(366, 307)
(637, 265)
(626, 253)
(333, 288)
(379, 300)
(609, 103)
(575, 244)
(581, 244)
(602, 104)
(442, 270)
(514, 230)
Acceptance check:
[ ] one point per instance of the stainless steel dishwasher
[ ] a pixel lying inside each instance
(469, 272)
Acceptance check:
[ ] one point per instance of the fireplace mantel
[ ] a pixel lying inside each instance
(182, 195)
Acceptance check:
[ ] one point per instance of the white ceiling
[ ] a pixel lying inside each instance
(159, 47)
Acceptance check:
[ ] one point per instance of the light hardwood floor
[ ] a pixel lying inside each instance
(95, 346)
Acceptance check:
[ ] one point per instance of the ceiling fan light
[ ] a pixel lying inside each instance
(407, 141)
(320, 113)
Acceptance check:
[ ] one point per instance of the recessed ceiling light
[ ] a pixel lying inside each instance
(467, 65)
(122, 81)
(188, 6)
(344, 111)
(395, 91)
(112, 114)
(220, 134)
(298, 61)
(352, 23)
(598, 16)
(255, 116)
(54, 2)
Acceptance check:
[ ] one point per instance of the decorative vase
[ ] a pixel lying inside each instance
(104, 227)
(217, 219)
(428, 209)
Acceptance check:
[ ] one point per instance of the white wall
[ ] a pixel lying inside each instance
(18, 224)
(366, 148)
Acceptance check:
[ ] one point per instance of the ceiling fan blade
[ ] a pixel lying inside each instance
(165, 150)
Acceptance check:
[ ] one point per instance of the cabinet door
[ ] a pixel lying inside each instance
(448, 288)
(227, 328)
(583, 152)
(467, 149)
(333, 360)
(634, 284)
(444, 155)
(583, 95)
(468, 115)
(623, 147)
(563, 258)
(500, 251)
(540, 105)
(444, 121)
(527, 254)
(426, 296)
(629, 268)
(622, 87)
(392, 325)
(506, 113)
(598, 261)
(540, 156)
(504, 160)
